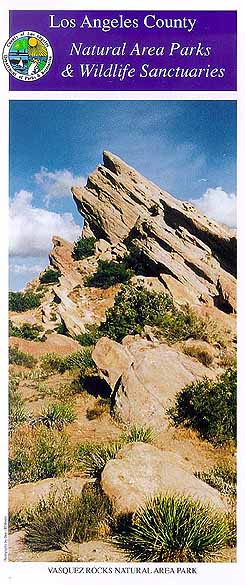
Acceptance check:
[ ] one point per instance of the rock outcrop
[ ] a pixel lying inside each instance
(70, 302)
(190, 253)
(27, 495)
(141, 471)
(184, 253)
(144, 377)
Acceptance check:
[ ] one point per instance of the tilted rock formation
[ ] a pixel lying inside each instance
(186, 254)
(144, 378)
(191, 254)
(73, 304)
(141, 471)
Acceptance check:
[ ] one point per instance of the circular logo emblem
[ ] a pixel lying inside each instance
(27, 56)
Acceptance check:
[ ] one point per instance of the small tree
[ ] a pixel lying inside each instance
(83, 248)
(50, 276)
(133, 309)
(20, 301)
(108, 274)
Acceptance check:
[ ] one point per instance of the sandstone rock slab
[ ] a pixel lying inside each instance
(177, 240)
(26, 495)
(145, 378)
(141, 471)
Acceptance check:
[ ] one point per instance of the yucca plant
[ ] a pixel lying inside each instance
(94, 457)
(138, 434)
(57, 415)
(172, 528)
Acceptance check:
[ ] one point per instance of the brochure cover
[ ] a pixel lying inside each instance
(121, 449)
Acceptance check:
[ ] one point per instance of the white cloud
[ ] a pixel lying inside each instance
(24, 268)
(32, 228)
(219, 205)
(58, 183)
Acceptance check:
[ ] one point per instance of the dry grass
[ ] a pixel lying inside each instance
(202, 355)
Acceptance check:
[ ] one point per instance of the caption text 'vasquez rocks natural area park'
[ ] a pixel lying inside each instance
(123, 384)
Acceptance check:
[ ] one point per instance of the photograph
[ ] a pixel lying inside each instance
(122, 329)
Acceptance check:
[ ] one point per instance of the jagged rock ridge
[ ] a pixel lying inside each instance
(194, 256)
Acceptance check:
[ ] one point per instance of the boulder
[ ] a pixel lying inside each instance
(27, 495)
(144, 377)
(141, 471)
(111, 359)
(101, 247)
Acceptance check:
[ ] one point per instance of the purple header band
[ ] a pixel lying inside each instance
(186, 50)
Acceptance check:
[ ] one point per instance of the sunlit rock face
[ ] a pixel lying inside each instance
(194, 256)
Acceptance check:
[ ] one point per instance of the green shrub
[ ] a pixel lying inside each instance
(20, 358)
(90, 337)
(51, 363)
(132, 310)
(175, 529)
(50, 276)
(209, 406)
(59, 520)
(62, 329)
(135, 307)
(57, 415)
(25, 331)
(222, 478)
(20, 301)
(37, 453)
(109, 273)
(83, 248)
(17, 412)
(81, 360)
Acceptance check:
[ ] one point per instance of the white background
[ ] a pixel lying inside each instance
(227, 574)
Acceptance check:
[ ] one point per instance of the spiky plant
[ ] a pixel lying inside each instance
(173, 528)
(138, 434)
(57, 415)
(94, 458)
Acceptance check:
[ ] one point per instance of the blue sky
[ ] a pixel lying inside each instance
(187, 147)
